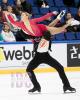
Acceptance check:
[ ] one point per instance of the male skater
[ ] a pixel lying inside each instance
(42, 56)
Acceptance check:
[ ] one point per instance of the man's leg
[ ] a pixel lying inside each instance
(32, 65)
(55, 64)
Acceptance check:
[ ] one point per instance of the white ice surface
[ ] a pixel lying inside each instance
(52, 88)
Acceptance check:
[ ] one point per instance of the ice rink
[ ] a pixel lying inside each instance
(16, 86)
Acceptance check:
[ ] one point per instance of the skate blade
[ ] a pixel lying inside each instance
(67, 92)
(34, 93)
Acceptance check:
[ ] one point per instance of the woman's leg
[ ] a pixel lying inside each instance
(53, 23)
(55, 30)
(59, 17)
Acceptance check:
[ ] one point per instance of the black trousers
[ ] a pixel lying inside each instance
(47, 59)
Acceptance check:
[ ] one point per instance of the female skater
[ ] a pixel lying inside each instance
(32, 26)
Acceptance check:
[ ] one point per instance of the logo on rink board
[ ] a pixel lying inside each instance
(2, 56)
(73, 55)
(17, 54)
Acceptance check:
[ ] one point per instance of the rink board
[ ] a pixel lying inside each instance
(15, 56)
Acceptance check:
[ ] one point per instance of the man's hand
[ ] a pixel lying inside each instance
(6, 12)
(70, 21)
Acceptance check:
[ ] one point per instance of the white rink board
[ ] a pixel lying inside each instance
(19, 55)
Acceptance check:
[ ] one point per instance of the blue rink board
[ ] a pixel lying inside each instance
(69, 42)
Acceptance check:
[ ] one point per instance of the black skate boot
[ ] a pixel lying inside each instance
(34, 89)
(69, 89)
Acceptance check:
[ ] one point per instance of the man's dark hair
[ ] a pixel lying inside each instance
(47, 35)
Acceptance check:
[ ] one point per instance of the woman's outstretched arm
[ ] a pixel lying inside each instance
(11, 19)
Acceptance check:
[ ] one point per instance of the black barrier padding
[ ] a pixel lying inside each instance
(73, 55)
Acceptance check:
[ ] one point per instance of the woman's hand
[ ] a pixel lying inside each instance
(6, 12)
